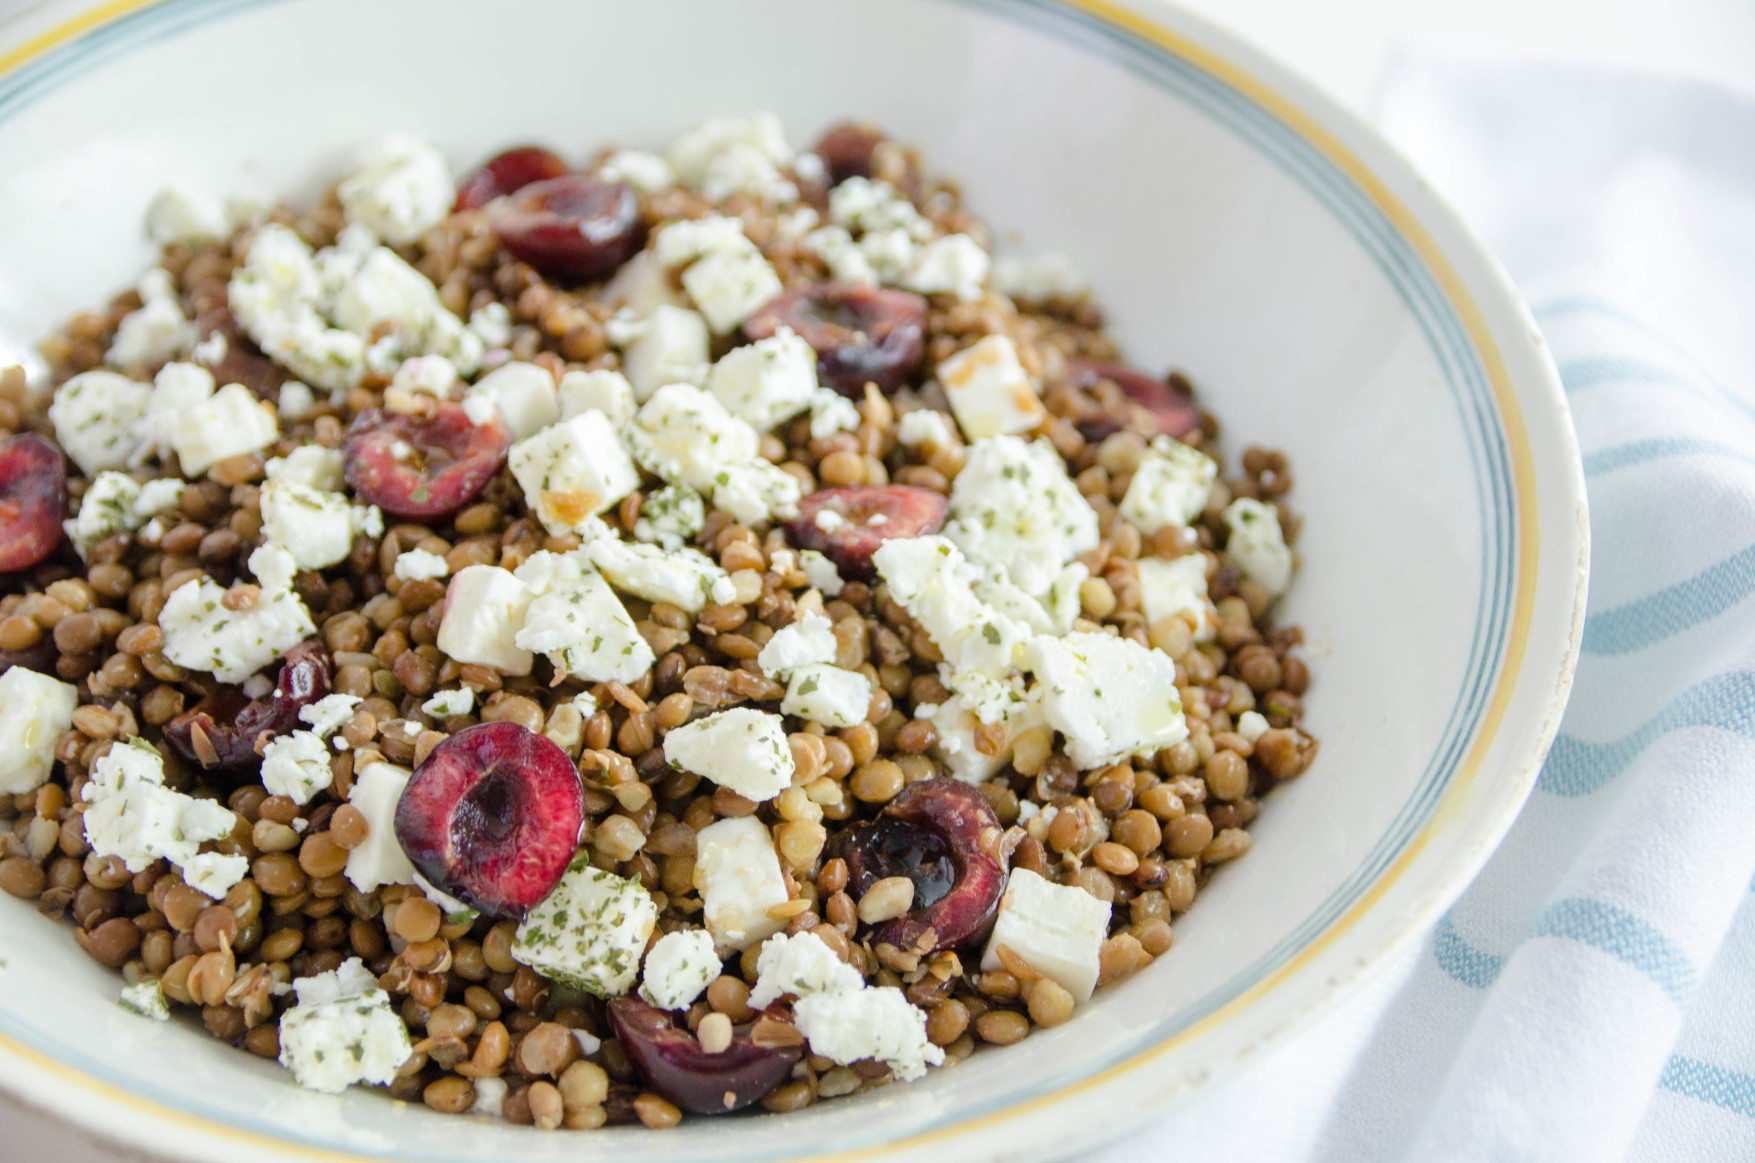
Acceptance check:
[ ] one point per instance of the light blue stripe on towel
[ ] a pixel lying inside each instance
(1604, 927)
(1705, 1082)
(1673, 609)
(1577, 768)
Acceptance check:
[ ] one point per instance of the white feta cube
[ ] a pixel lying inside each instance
(402, 189)
(924, 428)
(602, 391)
(146, 997)
(800, 965)
(1178, 589)
(317, 528)
(1109, 696)
(671, 516)
(930, 578)
(1257, 544)
(670, 347)
(737, 872)
(756, 492)
(492, 324)
(954, 264)
(373, 292)
(379, 859)
(640, 285)
(97, 418)
(1039, 278)
(446, 704)
(745, 169)
(685, 577)
(523, 395)
(878, 1023)
(203, 634)
(214, 874)
(960, 729)
(730, 285)
(838, 250)
(420, 565)
(484, 609)
(296, 765)
(1170, 486)
(768, 381)
(310, 465)
(342, 1031)
(1014, 506)
(132, 815)
(687, 436)
(176, 390)
(808, 640)
(422, 375)
(742, 749)
(644, 171)
(1252, 725)
(155, 333)
(827, 695)
(692, 154)
(583, 628)
(589, 932)
(572, 471)
(1057, 930)
(820, 572)
(181, 212)
(989, 391)
(228, 423)
(867, 204)
(681, 243)
(106, 509)
(679, 968)
(831, 412)
(35, 711)
(329, 714)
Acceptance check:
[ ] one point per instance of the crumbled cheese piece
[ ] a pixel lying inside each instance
(317, 528)
(1057, 930)
(686, 577)
(742, 749)
(329, 714)
(379, 859)
(744, 169)
(579, 623)
(146, 997)
(177, 389)
(961, 733)
(97, 417)
(484, 608)
(35, 711)
(589, 932)
(640, 285)
(116, 503)
(693, 154)
(990, 392)
(679, 968)
(342, 1031)
(685, 435)
(930, 578)
(756, 492)
(800, 965)
(158, 331)
(820, 572)
(954, 264)
(490, 1094)
(183, 213)
(203, 634)
(446, 704)
(828, 695)
(1170, 486)
(737, 872)
(402, 189)
(420, 565)
(865, 204)
(132, 815)
(809, 639)
(1178, 589)
(492, 324)
(646, 172)
(925, 428)
(671, 516)
(296, 765)
(523, 394)
(572, 471)
(228, 423)
(1039, 278)
(295, 400)
(310, 465)
(768, 381)
(726, 274)
(1051, 613)
(420, 375)
(603, 391)
(214, 874)
(1252, 725)
(800, 220)
(831, 412)
(881, 256)
(586, 704)
(210, 351)
(669, 347)
(878, 1023)
(1014, 506)
(681, 243)
(1110, 696)
(1257, 544)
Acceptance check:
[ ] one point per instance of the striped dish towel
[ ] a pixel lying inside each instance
(1592, 996)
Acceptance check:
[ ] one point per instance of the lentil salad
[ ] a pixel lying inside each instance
(587, 644)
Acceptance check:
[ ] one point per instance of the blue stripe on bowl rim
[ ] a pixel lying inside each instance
(1465, 378)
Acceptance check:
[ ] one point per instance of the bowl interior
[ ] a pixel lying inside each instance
(1222, 237)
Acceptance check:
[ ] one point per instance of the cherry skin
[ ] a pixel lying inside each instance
(33, 500)
(861, 334)
(423, 468)
(507, 173)
(849, 542)
(574, 228)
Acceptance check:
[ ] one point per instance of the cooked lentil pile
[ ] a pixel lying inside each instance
(589, 644)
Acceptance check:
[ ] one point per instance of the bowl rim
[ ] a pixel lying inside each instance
(1355, 149)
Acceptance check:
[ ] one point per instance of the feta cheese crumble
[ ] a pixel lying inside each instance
(379, 859)
(756, 492)
(182, 212)
(989, 391)
(97, 416)
(116, 503)
(156, 332)
(228, 423)
(930, 578)
(679, 968)
(577, 621)
(820, 572)
(867, 204)
(203, 633)
(572, 471)
(828, 695)
(1257, 544)
(742, 749)
(809, 639)
(1039, 278)
(310, 465)
(146, 997)
(954, 264)
(484, 609)
(671, 516)
(768, 381)
(420, 565)
(877, 1023)
(831, 412)
(1014, 506)
(644, 171)
(132, 815)
(316, 528)
(402, 189)
(604, 391)
(924, 428)
(1170, 486)
(1109, 696)
(296, 765)
(1057, 930)
(446, 704)
(342, 1031)
(1178, 589)
(737, 872)
(686, 577)
(723, 271)
(589, 932)
(800, 965)
(668, 346)
(35, 711)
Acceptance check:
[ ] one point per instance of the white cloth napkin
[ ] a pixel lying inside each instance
(1592, 996)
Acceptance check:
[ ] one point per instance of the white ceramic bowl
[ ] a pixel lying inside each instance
(1236, 225)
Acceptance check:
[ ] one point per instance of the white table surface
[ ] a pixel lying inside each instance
(1341, 45)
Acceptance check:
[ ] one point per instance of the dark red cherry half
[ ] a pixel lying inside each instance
(507, 173)
(226, 730)
(1171, 409)
(903, 511)
(33, 500)
(861, 334)
(422, 468)
(670, 1060)
(574, 228)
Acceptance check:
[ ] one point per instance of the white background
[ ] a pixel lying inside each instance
(1341, 45)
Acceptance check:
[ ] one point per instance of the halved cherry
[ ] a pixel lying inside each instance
(671, 1061)
(493, 817)
(944, 836)
(223, 731)
(846, 149)
(507, 173)
(573, 227)
(423, 468)
(33, 500)
(243, 362)
(860, 334)
(847, 525)
(1170, 407)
